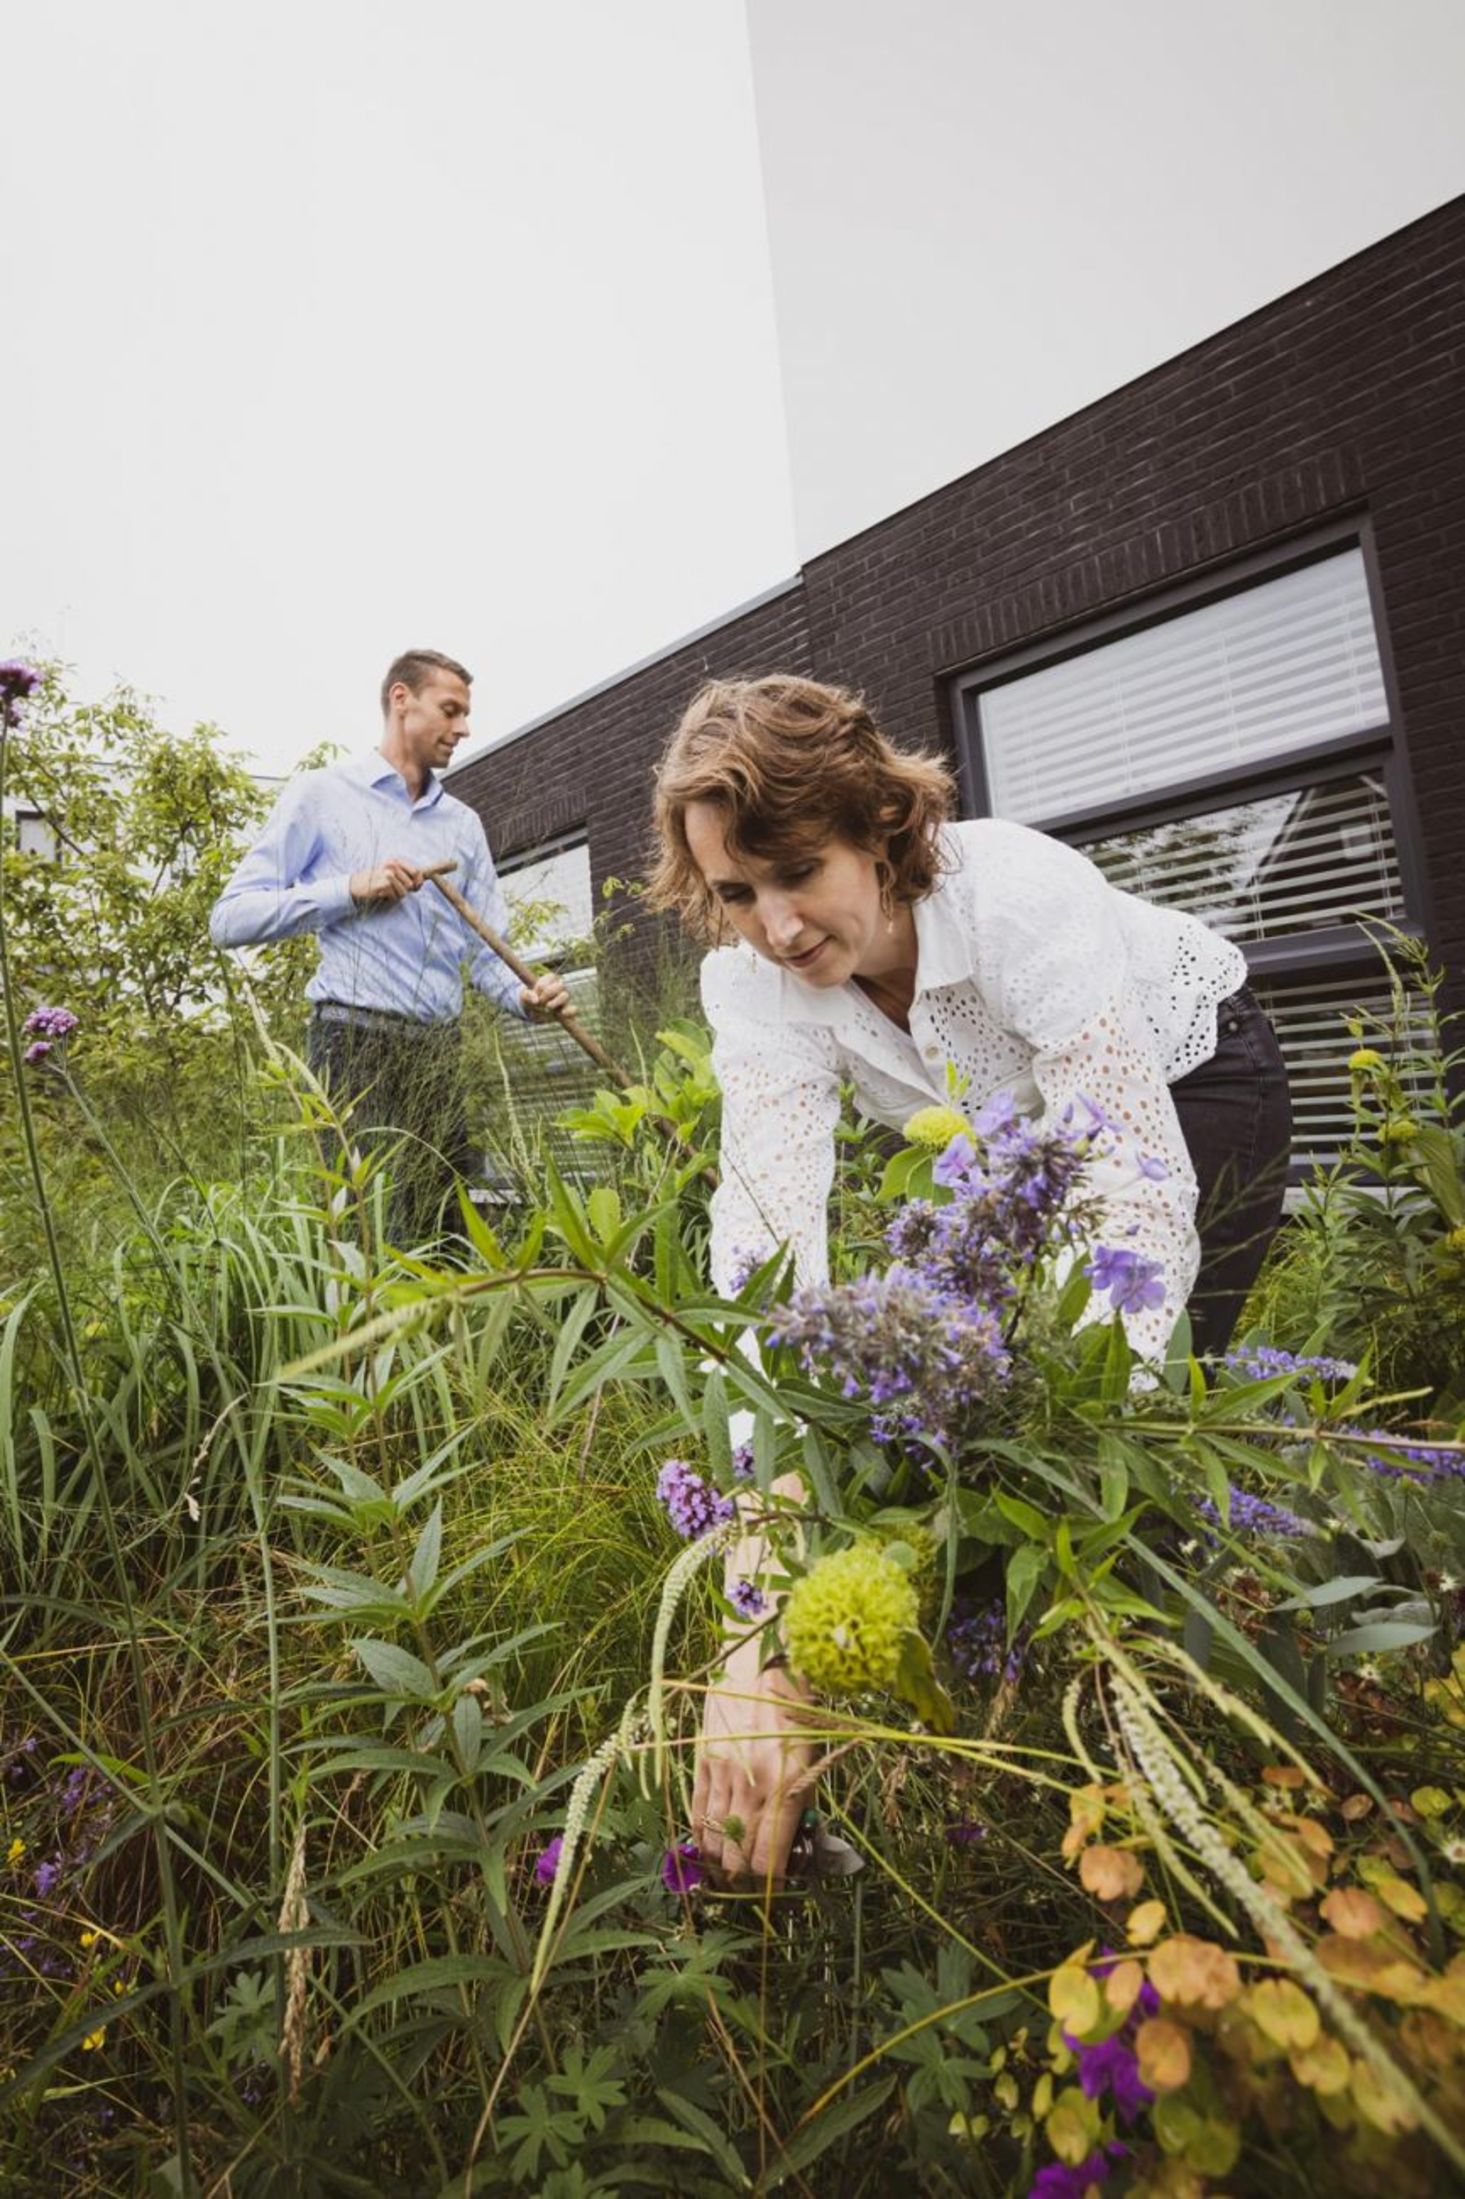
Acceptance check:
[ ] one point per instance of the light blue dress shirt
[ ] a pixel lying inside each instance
(406, 956)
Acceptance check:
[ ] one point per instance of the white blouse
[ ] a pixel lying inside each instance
(1034, 976)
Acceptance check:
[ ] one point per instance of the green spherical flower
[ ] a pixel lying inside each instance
(1364, 1060)
(844, 1623)
(936, 1127)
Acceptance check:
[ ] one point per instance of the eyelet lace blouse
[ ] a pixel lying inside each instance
(1034, 976)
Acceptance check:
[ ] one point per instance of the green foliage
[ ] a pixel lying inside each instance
(388, 1603)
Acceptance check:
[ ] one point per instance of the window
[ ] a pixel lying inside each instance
(548, 890)
(34, 836)
(1233, 757)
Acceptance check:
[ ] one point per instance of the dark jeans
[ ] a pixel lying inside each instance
(1236, 1117)
(403, 1084)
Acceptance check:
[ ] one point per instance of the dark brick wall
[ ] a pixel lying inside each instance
(1347, 396)
(590, 765)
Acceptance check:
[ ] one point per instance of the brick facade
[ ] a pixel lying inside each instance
(1345, 397)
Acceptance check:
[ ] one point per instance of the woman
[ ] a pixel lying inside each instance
(859, 937)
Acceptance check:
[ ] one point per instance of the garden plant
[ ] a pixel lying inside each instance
(357, 1603)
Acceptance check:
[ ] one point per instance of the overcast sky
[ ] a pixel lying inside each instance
(337, 329)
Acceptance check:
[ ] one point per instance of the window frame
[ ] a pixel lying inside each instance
(543, 851)
(1381, 746)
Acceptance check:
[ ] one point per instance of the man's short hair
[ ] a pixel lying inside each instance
(415, 667)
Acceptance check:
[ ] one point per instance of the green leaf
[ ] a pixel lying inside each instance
(1439, 1172)
(811, 2139)
(422, 1571)
(916, 1683)
(468, 1730)
(1025, 1568)
(711, 2134)
(603, 1207)
(396, 1671)
(1340, 1590)
(433, 1976)
(1033, 1523)
(1381, 1635)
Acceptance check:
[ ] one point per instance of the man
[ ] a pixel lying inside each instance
(343, 855)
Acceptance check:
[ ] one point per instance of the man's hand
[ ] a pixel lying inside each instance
(392, 880)
(544, 999)
(751, 1786)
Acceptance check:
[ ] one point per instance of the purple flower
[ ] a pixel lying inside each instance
(958, 1168)
(547, 1862)
(1112, 2067)
(692, 1505)
(1255, 1516)
(1410, 1461)
(48, 1877)
(977, 1641)
(747, 1599)
(743, 1266)
(1151, 1165)
(681, 1868)
(73, 1791)
(1260, 1360)
(18, 680)
(743, 1468)
(965, 1833)
(37, 1052)
(1133, 1283)
(50, 1023)
(1058, 2181)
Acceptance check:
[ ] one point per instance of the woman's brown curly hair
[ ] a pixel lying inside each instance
(792, 762)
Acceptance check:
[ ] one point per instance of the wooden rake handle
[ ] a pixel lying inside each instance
(566, 1016)
(522, 971)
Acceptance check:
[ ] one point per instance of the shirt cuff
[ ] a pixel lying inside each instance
(333, 898)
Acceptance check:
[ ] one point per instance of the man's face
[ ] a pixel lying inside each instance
(434, 720)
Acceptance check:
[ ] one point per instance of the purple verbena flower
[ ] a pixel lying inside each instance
(742, 1466)
(547, 1862)
(36, 1052)
(681, 1868)
(48, 1877)
(747, 1599)
(18, 681)
(54, 1023)
(692, 1505)
(1058, 2181)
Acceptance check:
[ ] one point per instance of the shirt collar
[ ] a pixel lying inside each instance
(376, 769)
(945, 955)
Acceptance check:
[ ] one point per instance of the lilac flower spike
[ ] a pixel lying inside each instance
(743, 1468)
(1261, 1360)
(547, 1862)
(692, 1505)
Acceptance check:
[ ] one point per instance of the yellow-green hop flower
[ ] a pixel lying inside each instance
(844, 1623)
(1398, 1130)
(935, 1127)
(1364, 1060)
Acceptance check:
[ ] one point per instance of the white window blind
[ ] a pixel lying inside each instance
(1281, 666)
(1308, 1014)
(1306, 859)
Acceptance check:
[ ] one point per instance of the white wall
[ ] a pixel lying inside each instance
(984, 216)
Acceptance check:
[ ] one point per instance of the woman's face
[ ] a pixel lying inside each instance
(817, 914)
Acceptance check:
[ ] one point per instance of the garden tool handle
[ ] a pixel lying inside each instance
(522, 971)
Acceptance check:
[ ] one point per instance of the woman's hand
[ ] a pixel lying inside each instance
(752, 1781)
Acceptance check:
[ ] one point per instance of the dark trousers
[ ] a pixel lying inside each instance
(1236, 1117)
(403, 1085)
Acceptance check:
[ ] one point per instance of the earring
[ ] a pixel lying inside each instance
(887, 895)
